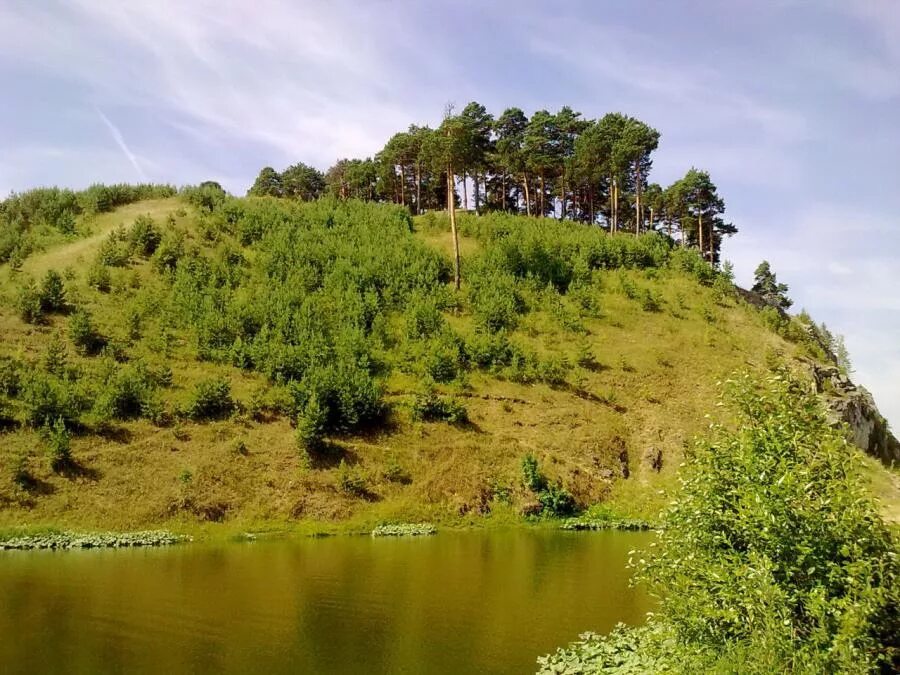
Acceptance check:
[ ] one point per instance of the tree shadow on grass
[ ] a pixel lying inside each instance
(75, 470)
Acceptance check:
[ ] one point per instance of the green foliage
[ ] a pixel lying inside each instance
(532, 478)
(623, 651)
(115, 251)
(56, 357)
(779, 509)
(404, 530)
(351, 480)
(58, 444)
(144, 236)
(52, 293)
(555, 500)
(128, 392)
(773, 557)
(83, 334)
(11, 370)
(46, 398)
(766, 285)
(98, 277)
(430, 406)
(312, 425)
(28, 302)
(207, 196)
(211, 399)
(29, 219)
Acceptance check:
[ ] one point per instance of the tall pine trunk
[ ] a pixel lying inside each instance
(418, 187)
(639, 215)
(543, 210)
(527, 196)
(451, 208)
(700, 234)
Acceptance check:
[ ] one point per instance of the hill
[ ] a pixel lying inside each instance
(261, 362)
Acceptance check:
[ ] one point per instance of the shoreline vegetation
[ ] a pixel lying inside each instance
(80, 540)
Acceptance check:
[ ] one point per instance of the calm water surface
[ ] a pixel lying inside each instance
(467, 602)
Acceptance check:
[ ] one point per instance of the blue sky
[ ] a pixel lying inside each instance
(792, 105)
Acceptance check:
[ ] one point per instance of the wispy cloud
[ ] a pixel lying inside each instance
(123, 146)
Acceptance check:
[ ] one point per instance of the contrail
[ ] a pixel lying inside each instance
(117, 137)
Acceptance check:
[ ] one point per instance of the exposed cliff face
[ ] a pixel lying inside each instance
(855, 406)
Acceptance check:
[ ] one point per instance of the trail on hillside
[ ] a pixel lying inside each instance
(66, 255)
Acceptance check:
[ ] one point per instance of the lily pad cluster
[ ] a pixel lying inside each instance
(70, 540)
(404, 530)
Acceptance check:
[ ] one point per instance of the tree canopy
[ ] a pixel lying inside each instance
(560, 164)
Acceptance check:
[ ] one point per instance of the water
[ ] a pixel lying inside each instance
(458, 602)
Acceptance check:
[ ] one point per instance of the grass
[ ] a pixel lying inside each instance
(652, 380)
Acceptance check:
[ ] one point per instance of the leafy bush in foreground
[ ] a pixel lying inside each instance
(211, 399)
(773, 558)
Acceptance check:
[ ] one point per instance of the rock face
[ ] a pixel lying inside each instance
(855, 406)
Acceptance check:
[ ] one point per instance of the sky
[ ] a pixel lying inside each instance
(793, 106)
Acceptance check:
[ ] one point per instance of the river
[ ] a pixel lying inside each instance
(457, 602)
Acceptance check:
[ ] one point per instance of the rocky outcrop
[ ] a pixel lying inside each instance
(854, 406)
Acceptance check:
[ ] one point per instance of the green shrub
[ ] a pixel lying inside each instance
(83, 333)
(423, 318)
(496, 302)
(28, 303)
(144, 237)
(311, 427)
(773, 557)
(10, 375)
(347, 395)
(555, 500)
(58, 444)
(351, 480)
(128, 393)
(46, 398)
(169, 251)
(444, 358)
(56, 356)
(431, 407)
(211, 399)
(115, 250)
(52, 293)
(98, 277)
(532, 478)
(488, 350)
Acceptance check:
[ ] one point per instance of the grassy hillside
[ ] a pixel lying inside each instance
(258, 362)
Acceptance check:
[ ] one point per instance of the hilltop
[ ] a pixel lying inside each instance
(262, 362)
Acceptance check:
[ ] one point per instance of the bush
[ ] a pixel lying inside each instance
(423, 319)
(773, 557)
(52, 293)
(83, 333)
(58, 444)
(127, 394)
(115, 250)
(347, 396)
(10, 375)
(555, 500)
(211, 400)
(28, 303)
(311, 427)
(351, 480)
(47, 398)
(98, 277)
(431, 407)
(144, 237)
(169, 251)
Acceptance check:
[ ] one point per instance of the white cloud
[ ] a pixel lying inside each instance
(123, 146)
